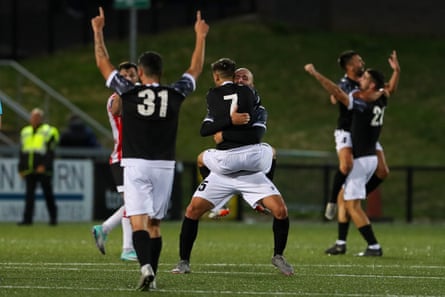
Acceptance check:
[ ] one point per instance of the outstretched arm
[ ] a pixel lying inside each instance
(394, 80)
(328, 85)
(100, 50)
(197, 61)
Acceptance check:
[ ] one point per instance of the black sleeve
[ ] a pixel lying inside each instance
(211, 127)
(250, 135)
(48, 158)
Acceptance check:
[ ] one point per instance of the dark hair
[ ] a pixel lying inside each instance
(151, 63)
(345, 57)
(377, 77)
(225, 66)
(127, 65)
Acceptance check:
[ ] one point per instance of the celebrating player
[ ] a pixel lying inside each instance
(368, 106)
(149, 126)
(216, 189)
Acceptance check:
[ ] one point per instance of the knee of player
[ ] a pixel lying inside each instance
(382, 172)
(154, 228)
(280, 212)
(200, 159)
(274, 153)
(196, 209)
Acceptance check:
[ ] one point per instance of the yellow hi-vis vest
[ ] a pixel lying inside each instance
(35, 145)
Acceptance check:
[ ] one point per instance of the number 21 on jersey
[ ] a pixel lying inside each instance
(377, 119)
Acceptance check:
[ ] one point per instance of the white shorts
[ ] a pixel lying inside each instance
(148, 186)
(362, 170)
(255, 158)
(218, 189)
(343, 139)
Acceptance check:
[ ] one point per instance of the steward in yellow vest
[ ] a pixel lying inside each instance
(38, 141)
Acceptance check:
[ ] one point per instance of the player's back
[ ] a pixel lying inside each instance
(224, 99)
(221, 102)
(150, 121)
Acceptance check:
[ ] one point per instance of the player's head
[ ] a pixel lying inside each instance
(129, 71)
(243, 76)
(351, 62)
(223, 70)
(372, 79)
(150, 65)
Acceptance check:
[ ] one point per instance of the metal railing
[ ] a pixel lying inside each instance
(411, 194)
(51, 94)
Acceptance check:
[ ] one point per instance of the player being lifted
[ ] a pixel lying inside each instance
(353, 65)
(368, 106)
(216, 189)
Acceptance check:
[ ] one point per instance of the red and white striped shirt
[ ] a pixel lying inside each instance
(116, 129)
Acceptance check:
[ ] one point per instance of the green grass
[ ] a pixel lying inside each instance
(229, 259)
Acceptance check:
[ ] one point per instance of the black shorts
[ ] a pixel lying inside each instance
(118, 175)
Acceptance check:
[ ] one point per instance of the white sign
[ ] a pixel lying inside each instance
(73, 189)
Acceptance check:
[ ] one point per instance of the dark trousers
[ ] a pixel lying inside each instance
(31, 184)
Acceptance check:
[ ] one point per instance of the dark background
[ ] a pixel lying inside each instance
(35, 27)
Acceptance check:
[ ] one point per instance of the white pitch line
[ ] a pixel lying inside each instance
(213, 292)
(91, 268)
(229, 265)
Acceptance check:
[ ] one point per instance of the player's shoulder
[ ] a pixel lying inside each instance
(347, 84)
(246, 90)
(382, 101)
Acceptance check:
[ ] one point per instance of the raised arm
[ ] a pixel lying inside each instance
(100, 50)
(328, 85)
(197, 61)
(393, 83)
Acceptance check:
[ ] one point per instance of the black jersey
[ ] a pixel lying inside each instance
(367, 122)
(344, 119)
(150, 116)
(257, 130)
(220, 103)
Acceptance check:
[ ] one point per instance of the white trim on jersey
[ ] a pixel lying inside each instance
(110, 78)
(191, 78)
(351, 98)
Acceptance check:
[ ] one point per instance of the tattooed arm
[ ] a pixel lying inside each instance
(100, 50)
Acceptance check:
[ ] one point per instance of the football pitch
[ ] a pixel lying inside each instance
(229, 259)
